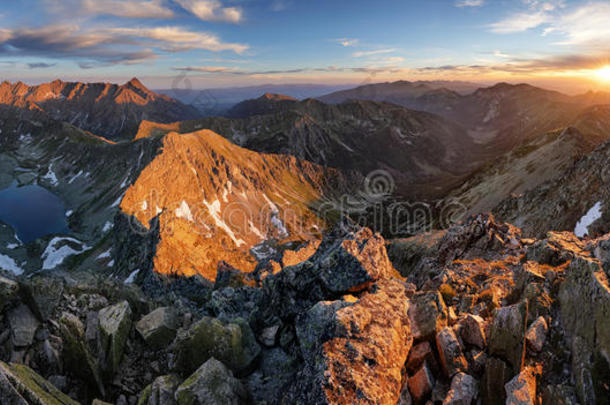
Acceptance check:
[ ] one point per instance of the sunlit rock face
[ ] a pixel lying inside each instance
(216, 201)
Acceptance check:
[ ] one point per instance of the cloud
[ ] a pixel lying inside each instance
(372, 53)
(204, 69)
(328, 69)
(347, 41)
(175, 39)
(469, 3)
(520, 22)
(212, 10)
(587, 25)
(41, 65)
(118, 8)
(102, 47)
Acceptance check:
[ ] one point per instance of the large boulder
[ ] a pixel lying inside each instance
(43, 293)
(362, 258)
(77, 358)
(464, 390)
(23, 325)
(507, 336)
(428, 314)
(232, 343)
(521, 390)
(360, 355)
(211, 384)
(349, 262)
(450, 352)
(497, 373)
(161, 391)
(20, 385)
(8, 291)
(114, 325)
(159, 327)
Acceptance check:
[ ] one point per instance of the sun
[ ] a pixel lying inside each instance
(603, 74)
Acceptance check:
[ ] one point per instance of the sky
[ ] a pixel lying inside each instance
(561, 44)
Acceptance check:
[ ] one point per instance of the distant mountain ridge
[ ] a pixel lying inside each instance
(109, 110)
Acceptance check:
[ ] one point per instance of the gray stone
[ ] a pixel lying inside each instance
(159, 327)
(521, 390)
(428, 314)
(507, 336)
(20, 385)
(232, 343)
(472, 330)
(536, 334)
(212, 384)
(450, 352)
(23, 325)
(76, 356)
(464, 390)
(162, 391)
(268, 335)
(8, 291)
(114, 326)
(497, 374)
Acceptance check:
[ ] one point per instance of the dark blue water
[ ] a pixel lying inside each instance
(32, 211)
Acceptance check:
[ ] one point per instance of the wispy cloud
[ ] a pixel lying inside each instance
(41, 65)
(101, 47)
(469, 3)
(586, 25)
(520, 22)
(347, 41)
(175, 39)
(118, 8)
(328, 69)
(360, 54)
(212, 10)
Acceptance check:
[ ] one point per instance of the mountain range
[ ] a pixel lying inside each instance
(246, 256)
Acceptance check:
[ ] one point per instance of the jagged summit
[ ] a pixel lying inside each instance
(106, 109)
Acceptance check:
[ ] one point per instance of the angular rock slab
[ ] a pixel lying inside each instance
(159, 327)
(23, 325)
(507, 336)
(114, 325)
(360, 357)
(232, 343)
(521, 390)
(212, 384)
(450, 352)
(20, 385)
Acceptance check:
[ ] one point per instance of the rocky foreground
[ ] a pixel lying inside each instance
(475, 314)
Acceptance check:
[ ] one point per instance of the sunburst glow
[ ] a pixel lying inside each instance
(603, 73)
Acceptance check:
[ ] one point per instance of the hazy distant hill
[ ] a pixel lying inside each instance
(218, 101)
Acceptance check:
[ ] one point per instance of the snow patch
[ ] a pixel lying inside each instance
(214, 210)
(582, 227)
(53, 256)
(184, 212)
(7, 263)
(107, 226)
(117, 202)
(104, 255)
(75, 177)
(132, 277)
(50, 176)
